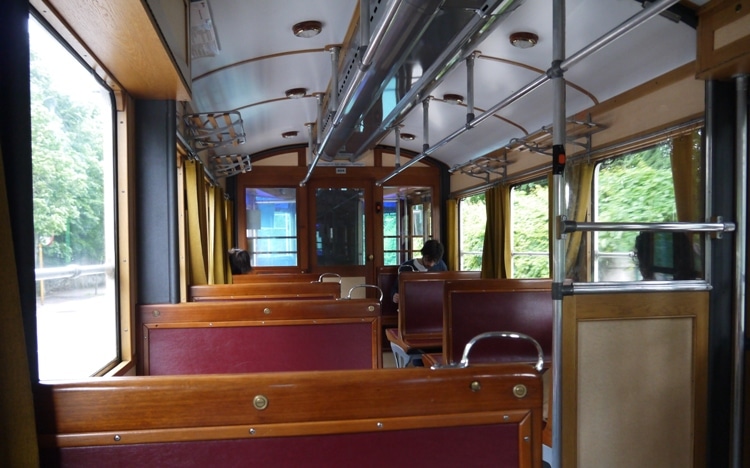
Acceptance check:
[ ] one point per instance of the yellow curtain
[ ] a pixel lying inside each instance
(496, 256)
(686, 160)
(217, 256)
(18, 442)
(453, 241)
(196, 216)
(578, 178)
(228, 217)
(215, 234)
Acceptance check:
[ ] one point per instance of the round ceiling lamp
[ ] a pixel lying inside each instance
(407, 136)
(290, 134)
(307, 29)
(524, 40)
(295, 93)
(453, 98)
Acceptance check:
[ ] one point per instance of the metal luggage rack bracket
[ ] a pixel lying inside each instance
(579, 133)
(215, 129)
(226, 165)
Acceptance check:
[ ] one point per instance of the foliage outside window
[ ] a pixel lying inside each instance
(472, 224)
(637, 187)
(271, 222)
(74, 213)
(530, 230)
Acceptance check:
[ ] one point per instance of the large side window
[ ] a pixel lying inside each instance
(636, 187)
(530, 230)
(74, 213)
(472, 224)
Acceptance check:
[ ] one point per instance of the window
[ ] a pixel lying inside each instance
(407, 222)
(271, 220)
(340, 226)
(636, 187)
(74, 213)
(530, 230)
(472, 225)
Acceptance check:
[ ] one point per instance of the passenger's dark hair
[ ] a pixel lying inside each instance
(239, 261)
(432, 250)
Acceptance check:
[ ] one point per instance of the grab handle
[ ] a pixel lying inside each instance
(496, 334)
(327, 275)
(349, 296)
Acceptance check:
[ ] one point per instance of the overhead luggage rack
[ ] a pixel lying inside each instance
(578, 133)
(226, 165)
(215, 129)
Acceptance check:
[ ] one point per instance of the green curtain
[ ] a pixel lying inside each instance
(496, 256)
(197, 237)
(18, 442)
(453, 242)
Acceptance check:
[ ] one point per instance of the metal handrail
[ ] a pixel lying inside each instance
(72, 271)
(327, 275)
(574, 226)
(496, 334)
(349, 296)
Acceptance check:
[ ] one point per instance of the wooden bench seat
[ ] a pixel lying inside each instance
(259, 336)
(420, 313)
(334, 418)
(474, 307)
(271, 290)
(275, 278)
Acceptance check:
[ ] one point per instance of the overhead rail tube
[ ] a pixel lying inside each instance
(470, 87)
(641, 286)
(572, 226)
(470, 36)
(636, 20)
(400, 29)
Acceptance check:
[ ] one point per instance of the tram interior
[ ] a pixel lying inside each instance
(349, 132)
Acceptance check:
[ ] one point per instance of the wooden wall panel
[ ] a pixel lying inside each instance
(634, 370)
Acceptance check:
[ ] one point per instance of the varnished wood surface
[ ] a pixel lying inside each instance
(616, 331)
(124, 38)
(143, 409)
(257, 309)
(269, 290)
(275, 277)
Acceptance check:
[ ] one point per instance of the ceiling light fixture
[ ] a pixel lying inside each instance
(307, 29)
(453, 98)
(295, 93)
(524, 40)
(407, 136)
(290, 134)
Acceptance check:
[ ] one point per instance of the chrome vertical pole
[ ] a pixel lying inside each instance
(558, 210)
(738, 345)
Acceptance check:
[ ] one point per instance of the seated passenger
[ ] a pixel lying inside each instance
(239, 261)
(665, 256)
(431, 260)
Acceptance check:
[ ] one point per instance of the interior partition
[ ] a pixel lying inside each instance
(634, 373)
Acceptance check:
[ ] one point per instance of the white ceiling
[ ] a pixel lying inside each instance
(260, 58)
